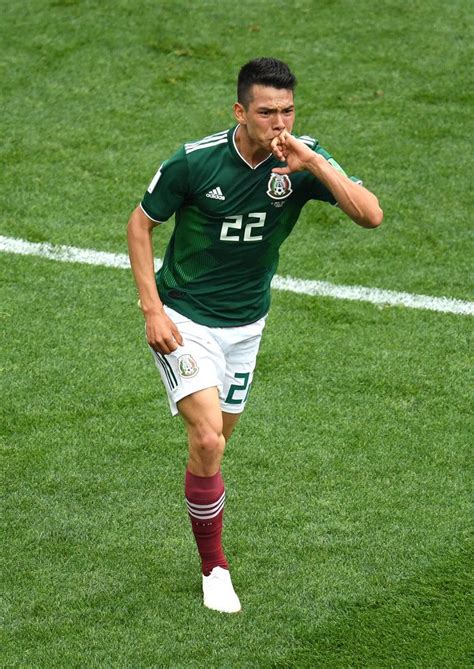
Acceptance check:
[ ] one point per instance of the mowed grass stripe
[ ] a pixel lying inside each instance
(288, 283)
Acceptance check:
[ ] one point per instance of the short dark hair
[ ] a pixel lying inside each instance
(266, 72)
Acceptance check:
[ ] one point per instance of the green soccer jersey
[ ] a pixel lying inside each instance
(230, 221)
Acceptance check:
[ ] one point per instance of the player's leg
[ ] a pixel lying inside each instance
(210, 418)
(204, 486)
(207, 381)
(229, 421)
(205, 495)
(192, 375)
(204, 425)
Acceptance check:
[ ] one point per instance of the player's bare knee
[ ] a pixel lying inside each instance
(208, 442)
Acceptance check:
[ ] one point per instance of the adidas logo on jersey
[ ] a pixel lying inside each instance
(216, 194)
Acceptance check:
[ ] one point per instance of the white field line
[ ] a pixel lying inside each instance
(302, 286)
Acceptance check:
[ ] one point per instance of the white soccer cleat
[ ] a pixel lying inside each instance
(219, 593)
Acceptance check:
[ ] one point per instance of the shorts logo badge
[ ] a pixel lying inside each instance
(279, 186)
(187, 365)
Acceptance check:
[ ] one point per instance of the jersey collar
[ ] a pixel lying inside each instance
(236, 153)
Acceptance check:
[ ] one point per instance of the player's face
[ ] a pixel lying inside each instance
(270, 111)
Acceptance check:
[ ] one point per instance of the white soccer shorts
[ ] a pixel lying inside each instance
(211, 357)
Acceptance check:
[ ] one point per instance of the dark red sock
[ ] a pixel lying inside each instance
(205, 497)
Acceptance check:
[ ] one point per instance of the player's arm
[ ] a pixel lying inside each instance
(356, 201)
(162, 333)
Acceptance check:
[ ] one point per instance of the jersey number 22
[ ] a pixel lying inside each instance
(234, 226)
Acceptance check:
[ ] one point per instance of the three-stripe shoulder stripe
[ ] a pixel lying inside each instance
(209, 138)
(205, 142)
(206, 145)
(168, 370)
(310, 141)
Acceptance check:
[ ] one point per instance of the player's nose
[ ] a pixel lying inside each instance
(278, 123)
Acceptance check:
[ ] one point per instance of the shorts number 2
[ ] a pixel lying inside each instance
(230, 399)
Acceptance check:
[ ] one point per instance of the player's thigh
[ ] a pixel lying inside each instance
(201, 412)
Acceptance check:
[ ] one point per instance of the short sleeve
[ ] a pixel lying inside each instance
(168, 188)
(318, 191)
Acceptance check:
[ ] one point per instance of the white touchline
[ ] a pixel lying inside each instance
(302, 286)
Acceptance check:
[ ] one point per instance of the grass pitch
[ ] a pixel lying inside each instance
(348, 479)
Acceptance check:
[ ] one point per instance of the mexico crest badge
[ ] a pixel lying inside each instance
(187, 366)
(279, 186)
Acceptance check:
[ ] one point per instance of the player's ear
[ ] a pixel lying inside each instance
(239, 112)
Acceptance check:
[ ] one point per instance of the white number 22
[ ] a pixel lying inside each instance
(236, 223)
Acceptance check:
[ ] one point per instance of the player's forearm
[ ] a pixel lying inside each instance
(356, 201)
(140, 249)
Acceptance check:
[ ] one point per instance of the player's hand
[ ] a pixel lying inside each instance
(161, 332)
(294, 152)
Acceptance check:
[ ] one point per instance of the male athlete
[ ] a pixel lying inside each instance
(236, 196)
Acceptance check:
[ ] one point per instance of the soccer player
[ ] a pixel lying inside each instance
(236, 195)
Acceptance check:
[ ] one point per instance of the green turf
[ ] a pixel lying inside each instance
(349, 477)
(369, 454)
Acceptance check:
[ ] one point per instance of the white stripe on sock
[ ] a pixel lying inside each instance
(206, 511)
(203, 507)
(206, 515)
